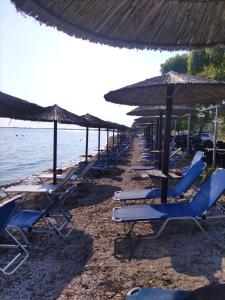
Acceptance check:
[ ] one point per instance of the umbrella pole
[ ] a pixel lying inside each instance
(86, 148)
(215, 138)
(157, 134)
(107, 144)
(99, 141)
(188, 133)
(160, 138)
(152, 136)
(55, 153)
(165, 167)
(113, 139)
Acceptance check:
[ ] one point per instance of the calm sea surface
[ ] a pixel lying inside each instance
(25, 152)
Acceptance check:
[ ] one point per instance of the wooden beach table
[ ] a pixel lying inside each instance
(160, 174)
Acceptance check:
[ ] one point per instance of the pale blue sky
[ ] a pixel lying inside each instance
(45, 66)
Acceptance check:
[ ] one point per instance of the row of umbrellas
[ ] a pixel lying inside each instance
(169, 89)
(15, 108)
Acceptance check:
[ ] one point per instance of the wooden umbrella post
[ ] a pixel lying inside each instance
(107, 144)
(215, 138)
(151, 136)
(86, 148)
(160, 138)
(113, 138)
(99, 141)
(188, 134)
(157, 134)
(165, 167)
(55, 153)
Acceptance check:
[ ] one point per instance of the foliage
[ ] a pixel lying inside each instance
(178, 63)
(208, 63)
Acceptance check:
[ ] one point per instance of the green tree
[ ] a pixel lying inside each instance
(177, 63)
(208, 63)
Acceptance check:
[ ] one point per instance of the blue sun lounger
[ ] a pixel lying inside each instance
(202, 202)
(9, 267)
(27, 220)
(140, 293)
(182, 186)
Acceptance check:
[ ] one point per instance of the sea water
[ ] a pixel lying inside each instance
(25, 151)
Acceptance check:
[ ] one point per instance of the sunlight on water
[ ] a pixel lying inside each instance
(24, 152)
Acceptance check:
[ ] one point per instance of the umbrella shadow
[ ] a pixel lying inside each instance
(96, 193)
(190, 251)
(53, 263)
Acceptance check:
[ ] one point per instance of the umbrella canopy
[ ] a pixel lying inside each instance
(187, 89)
(15, 108)
(150, 24)
(95, 122)
(58, 114)
(151, 110)
(149, 119)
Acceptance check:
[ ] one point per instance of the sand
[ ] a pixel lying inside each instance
(98, 262)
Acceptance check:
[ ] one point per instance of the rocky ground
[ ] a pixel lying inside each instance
(98, 262)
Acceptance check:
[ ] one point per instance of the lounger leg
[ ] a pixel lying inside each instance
(159, 231)
(172, 219)
(17, 260)
(129, 232)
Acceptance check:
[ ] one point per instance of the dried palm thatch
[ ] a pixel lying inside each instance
(60, 115)
(95, 122)
(152, 110)
(149, 119)
(150, 24)
(15, 108)
(187, 89)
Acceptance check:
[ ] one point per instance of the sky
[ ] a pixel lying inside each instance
(44, 66)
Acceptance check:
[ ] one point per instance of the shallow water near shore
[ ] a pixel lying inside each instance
(27, 151)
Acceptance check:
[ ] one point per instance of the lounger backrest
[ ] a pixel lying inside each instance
(198, 156)
(69, 174)
(86, 169)
(59, 200)
(209, 193)
(189, 178)
(6, 210)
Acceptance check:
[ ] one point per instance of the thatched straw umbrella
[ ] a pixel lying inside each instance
(56, 114)
(165, 90)
(143, 24)
(16, 108)
(177, 110)
(95, 122)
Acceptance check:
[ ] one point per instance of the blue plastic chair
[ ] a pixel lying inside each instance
(156, 294)
(6, 210)
(182, 186)
(206, 197)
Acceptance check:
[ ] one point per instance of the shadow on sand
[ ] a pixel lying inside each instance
(94, 194)
(191, 252)
(51, 266)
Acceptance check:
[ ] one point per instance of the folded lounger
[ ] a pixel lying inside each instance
(76, 177)
(202, 202)
(9, 267)
(140, 293)
(54, 217)
(46, 189)
(182, 186)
